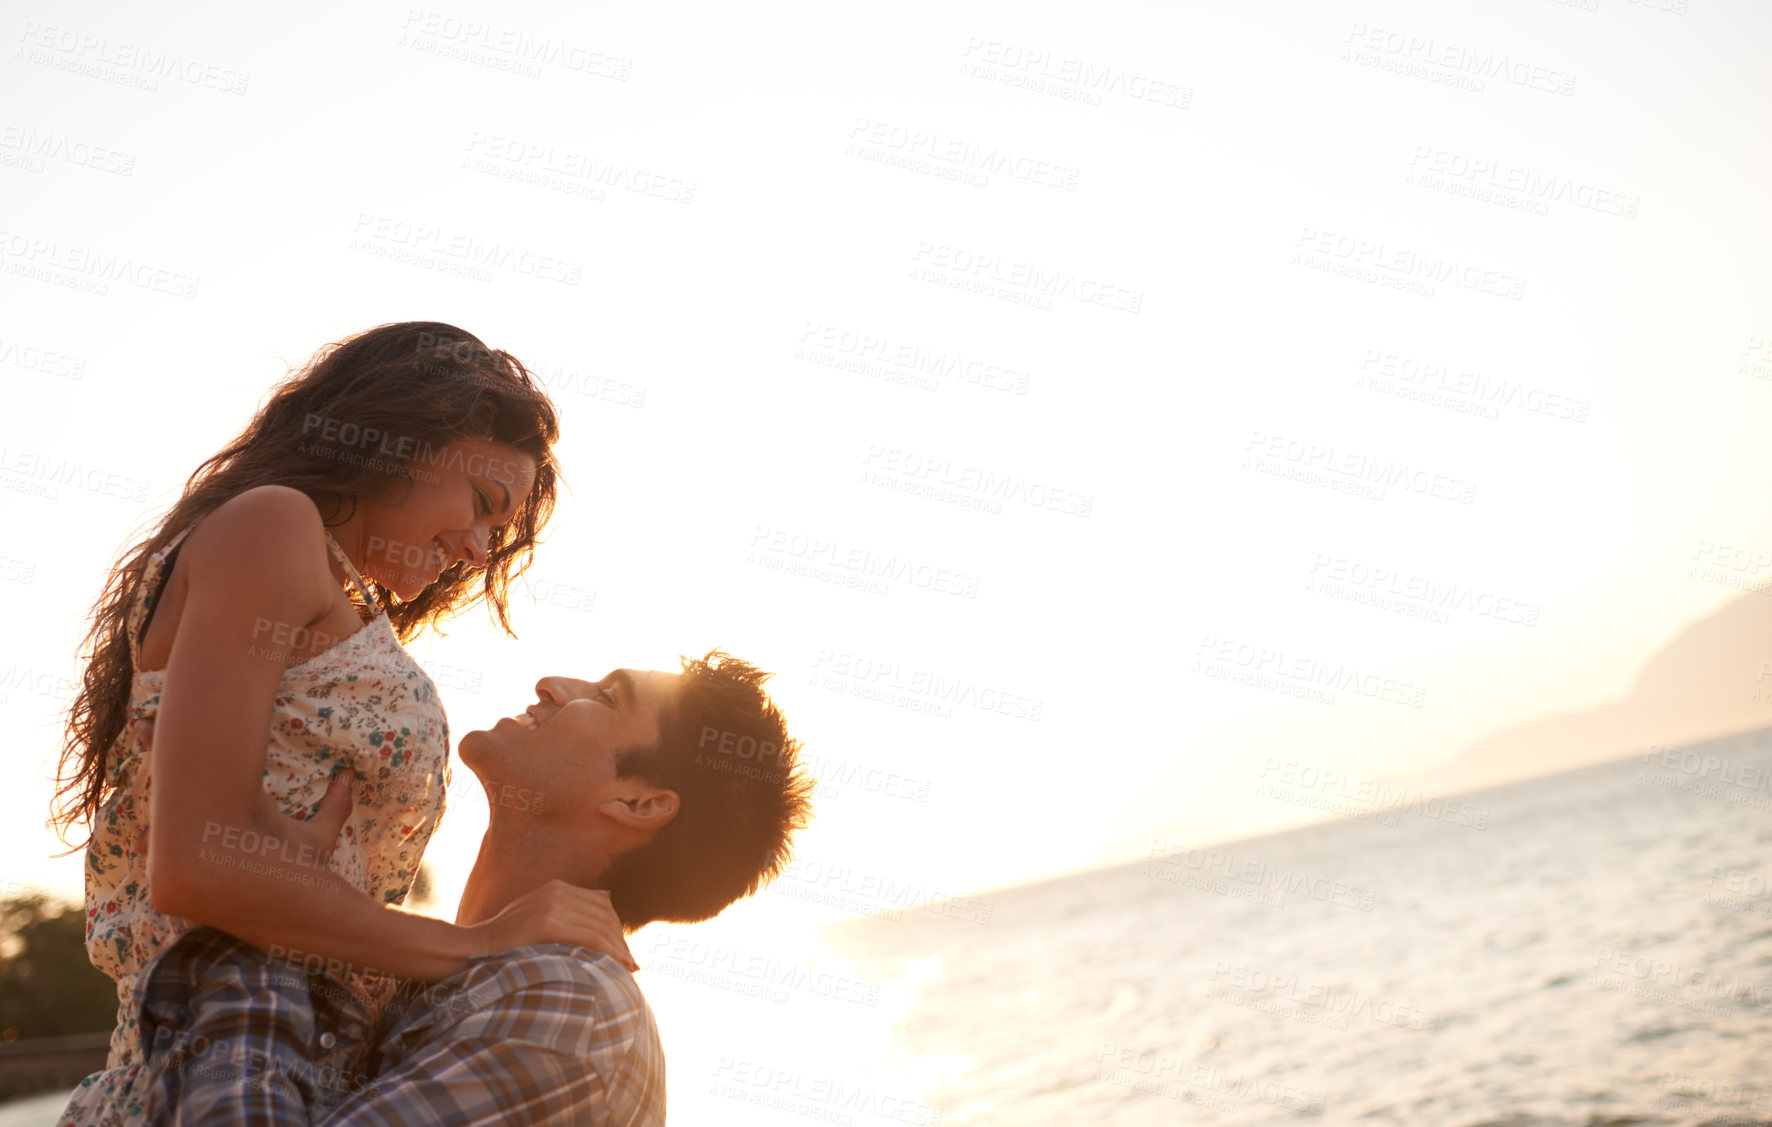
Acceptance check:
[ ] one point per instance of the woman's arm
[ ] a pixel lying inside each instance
(261, 558)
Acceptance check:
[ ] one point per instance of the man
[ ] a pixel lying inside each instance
(633, 784)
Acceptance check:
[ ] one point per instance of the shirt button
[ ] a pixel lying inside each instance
(327, 1040)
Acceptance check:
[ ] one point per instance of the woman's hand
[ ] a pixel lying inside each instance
(557, 912)
(312, 839)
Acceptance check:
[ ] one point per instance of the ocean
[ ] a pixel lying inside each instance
(1590, 948)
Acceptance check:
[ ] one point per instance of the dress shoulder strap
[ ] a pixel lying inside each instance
(338, 554)
(148, 591)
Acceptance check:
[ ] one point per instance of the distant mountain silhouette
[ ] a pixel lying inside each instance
(1713, 679)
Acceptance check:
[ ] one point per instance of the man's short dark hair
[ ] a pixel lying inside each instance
(724, 748)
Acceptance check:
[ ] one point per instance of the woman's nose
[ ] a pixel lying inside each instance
(471, 547)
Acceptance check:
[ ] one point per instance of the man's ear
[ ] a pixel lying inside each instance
(647, 809)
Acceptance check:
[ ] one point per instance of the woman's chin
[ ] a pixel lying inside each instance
(408, 590)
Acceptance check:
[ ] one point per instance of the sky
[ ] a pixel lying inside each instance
(1037, 391)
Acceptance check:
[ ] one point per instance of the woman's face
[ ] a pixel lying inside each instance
(458, 494)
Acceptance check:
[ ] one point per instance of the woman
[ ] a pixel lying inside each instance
(410, 457)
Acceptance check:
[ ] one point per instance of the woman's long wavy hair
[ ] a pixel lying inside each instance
(358, 422)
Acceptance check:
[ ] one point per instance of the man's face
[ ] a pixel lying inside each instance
(564, 747)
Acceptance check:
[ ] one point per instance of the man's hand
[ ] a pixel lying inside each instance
(318, 833)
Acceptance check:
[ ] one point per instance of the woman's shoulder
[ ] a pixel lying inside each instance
(268, 508)
(271, 531)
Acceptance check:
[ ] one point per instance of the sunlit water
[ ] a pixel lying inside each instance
(1600, 953)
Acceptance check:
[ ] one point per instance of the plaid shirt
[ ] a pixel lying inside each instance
(547, 1033)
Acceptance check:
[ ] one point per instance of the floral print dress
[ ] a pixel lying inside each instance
(364, 706)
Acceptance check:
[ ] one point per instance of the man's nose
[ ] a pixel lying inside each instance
(561, 691)
(548, 689)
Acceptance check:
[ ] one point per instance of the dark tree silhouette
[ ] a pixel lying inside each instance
(48, 988)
